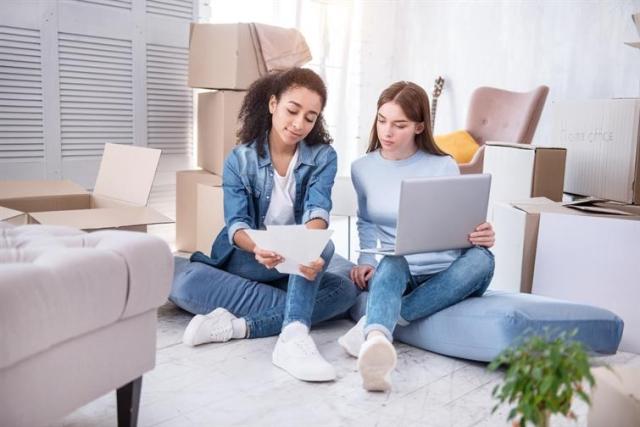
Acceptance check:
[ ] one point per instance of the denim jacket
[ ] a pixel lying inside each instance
(247, 183)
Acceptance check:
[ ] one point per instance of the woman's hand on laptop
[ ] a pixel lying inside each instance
(311, 271)
(267, 258)
(360, 275)
(483, 235)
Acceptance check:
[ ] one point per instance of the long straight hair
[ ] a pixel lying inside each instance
(414, 102)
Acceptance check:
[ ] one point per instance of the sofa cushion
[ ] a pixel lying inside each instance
(57, 283)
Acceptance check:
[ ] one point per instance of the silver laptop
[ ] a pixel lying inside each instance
(437, 214)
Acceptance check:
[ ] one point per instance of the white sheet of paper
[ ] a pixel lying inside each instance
(296, 243)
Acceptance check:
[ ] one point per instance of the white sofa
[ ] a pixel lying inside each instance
(77, 319)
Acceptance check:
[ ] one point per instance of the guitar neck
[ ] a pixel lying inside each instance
(434, 107)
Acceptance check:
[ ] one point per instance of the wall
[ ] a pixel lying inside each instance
(574, 47)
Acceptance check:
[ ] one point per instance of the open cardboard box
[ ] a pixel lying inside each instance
(12, 216)
(636, 20)
(118, 200)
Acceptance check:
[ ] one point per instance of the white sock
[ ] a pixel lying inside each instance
(239, 327)
(294, 329)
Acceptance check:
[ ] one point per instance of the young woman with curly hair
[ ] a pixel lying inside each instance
(281, 173)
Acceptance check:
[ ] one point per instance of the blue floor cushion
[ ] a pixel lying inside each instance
(480, 328)
(476, 328)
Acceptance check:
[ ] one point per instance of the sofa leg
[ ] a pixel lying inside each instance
(128, 397)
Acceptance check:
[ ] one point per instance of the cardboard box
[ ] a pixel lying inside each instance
(615, 399)
(602, 139)
(187, 204)
(593, 259)
(210, 216)
(12, 216)
(636, 20)
(217, 127)
(222, 56)
(516, 227)
(118, 200)
(521, 171)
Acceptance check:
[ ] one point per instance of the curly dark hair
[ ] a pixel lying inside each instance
(255, 118)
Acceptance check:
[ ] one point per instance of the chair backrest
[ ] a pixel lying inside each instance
(501, 115)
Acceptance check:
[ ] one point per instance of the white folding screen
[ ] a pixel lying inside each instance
(21, 133)
(75, 74)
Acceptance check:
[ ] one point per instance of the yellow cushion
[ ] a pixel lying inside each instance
(459, 144)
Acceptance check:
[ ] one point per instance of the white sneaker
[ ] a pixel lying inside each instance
(376, 361)
(354, 338)
(300, 357)
(213, 327)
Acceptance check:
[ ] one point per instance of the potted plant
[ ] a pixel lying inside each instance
(542, 376)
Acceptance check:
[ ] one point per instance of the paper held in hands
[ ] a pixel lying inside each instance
(296, 243)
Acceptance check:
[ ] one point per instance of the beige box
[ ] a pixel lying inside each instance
(522, 171)
(615, 399)
(593, 259)
(118, 200)
(222, 56)
(217, 127)
(516, 227)
(602, 139)
(209, 217)
(187, 205)
(12, 216)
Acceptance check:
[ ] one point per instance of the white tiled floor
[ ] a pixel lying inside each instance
(235, 384)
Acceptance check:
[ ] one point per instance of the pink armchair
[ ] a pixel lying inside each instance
(501, 115)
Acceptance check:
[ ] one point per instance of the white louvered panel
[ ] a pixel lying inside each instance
(175, 8)
(21, 124)
(169, 100)
(96, 93)
(123, 4)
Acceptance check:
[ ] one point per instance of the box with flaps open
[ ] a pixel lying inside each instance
(118, 200)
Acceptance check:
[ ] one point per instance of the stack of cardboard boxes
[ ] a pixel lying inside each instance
(583, 251)
(223, 60)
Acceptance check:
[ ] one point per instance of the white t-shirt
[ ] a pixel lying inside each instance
(283, 196)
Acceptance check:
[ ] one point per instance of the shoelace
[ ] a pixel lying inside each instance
(307, 346)
(219, 330)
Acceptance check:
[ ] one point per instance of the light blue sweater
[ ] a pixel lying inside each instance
(377, 184)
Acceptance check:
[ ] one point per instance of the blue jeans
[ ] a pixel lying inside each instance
(200, 288)
(397, 297)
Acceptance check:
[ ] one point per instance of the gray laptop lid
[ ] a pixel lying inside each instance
(437, 214)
